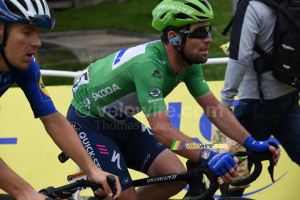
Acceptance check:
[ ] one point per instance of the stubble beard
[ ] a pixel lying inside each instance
(194, 58)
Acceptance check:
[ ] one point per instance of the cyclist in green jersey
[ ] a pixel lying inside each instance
(20, 23)
(111, 90)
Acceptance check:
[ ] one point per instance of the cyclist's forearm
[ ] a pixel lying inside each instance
(222, 117)
(227, 123)
(166, 134)
(174, 134)
(66, 138)
(14, 184)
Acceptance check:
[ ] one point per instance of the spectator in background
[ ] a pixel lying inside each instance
(279, 114)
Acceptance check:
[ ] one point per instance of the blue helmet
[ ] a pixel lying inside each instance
(34, 12)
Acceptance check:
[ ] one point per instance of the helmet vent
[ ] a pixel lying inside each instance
(43, 5)
(23, 4)
(13, 8)
(35, 6)
(181, 16)
(195, 7)
(205, 4)
(162, 16)
(201, 18)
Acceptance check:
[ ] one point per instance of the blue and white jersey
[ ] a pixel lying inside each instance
(30, 81)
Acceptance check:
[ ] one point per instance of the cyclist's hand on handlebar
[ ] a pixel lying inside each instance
(253, 145)
(222, 164)
(276, 154)
(228, 177)
(100, 178)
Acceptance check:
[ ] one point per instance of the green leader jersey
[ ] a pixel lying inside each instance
(132, 80)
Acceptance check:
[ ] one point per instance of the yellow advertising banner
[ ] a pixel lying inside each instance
(28, 150)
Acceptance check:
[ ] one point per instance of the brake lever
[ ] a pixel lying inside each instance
(111, 181)
(225, 186)
(256, 158)
(63, 191)
(271, 166)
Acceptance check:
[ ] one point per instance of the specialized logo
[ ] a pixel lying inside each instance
(116, 157)
(76, 126)
(105, 92)
(178, 8)
(87, 103)
(156, 74)
(154, 92)
(162, 178)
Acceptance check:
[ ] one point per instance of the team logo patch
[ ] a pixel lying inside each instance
(76, 126)
(87, 103)
(126, 180)
(42, 87)
(154, 92)
(156, 74)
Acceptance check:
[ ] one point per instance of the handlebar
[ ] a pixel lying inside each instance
(197, 188)
(203, 193)
(67, 191)
(194, 176)
(257, 158)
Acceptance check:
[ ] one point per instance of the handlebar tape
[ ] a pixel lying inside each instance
(196, 192)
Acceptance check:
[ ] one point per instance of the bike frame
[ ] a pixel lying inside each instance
(194, 177)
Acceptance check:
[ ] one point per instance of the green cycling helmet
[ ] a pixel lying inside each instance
(180, 13)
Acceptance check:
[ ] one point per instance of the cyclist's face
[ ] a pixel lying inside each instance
(196, 49)
(22, 43)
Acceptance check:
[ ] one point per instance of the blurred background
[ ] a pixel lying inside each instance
(87, 30)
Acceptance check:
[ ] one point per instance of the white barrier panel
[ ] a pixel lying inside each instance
(211, 61)
(33, 155)
(60, 73)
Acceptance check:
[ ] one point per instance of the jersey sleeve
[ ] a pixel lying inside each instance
(149, 88)
(195, 81)
(30, 81)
